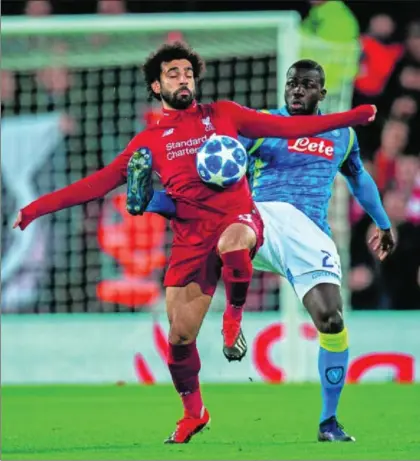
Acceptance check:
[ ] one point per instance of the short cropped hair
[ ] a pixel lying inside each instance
(310, 65)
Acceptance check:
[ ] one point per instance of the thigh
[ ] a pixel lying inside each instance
(298, 249)
(308, 283)
(243, 231)
(325, 306)
(269, 257)
(306, 248)
(324, 298)
(194, 258)
(236, 236)
(186, 308)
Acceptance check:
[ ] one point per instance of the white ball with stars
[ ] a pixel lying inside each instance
(222, 161)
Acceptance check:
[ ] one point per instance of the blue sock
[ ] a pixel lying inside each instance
(332, 366)
(162, 204)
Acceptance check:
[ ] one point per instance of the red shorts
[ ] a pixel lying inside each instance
(194, 256)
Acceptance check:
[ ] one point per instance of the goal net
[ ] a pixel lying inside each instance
(72, 98)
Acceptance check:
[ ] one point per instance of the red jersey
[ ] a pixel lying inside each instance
(174, 142)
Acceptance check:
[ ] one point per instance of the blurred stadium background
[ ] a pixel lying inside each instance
(82, 298)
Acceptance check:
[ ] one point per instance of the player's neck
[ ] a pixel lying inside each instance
(315, 111)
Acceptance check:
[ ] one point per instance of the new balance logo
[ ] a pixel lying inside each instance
(168, 132)
(312, 146)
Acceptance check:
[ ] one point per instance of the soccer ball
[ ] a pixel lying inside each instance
(221, 161)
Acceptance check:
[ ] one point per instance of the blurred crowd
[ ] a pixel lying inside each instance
(388, 75)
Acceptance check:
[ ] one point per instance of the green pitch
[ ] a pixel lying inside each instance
(249, 422)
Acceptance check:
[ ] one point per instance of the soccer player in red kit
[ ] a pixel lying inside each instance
(215, 232)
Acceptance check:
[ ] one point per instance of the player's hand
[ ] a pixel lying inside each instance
(375, 110)
(18, 220)
(382, 243)
(367, 113)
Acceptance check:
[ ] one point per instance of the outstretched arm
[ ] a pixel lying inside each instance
(254, 124)
(90, 188)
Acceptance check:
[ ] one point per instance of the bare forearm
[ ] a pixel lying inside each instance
(93, 187)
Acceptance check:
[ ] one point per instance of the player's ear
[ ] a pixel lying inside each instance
(156, 86)
(323, 94)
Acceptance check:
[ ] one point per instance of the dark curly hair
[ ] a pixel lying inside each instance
(152, 68)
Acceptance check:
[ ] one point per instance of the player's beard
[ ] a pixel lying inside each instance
(176, 100)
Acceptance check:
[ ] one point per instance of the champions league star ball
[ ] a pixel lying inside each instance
(221, 161)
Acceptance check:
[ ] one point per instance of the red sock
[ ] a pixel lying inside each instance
(236, 275)
(184, 366)
(234, 312)
(193, 404)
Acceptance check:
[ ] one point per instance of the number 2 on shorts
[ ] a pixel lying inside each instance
(326, 259)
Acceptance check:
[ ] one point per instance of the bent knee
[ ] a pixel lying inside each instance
(330, 322)
(179, 334)
(329, 317)
(237, 237)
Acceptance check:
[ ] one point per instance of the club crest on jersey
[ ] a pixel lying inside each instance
(320, 147)
(207, 123)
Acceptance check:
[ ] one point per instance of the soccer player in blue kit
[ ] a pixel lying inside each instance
(291, 182)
